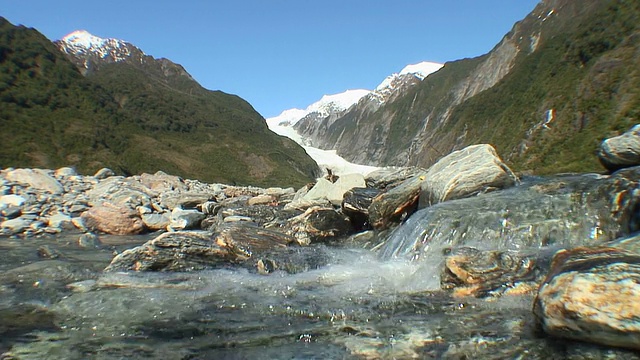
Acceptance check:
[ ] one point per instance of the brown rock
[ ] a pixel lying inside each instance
(472, 272)
(113, 219)
(591, 294)
(396, 204)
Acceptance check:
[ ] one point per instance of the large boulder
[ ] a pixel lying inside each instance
(591, 294)
(621, 151)
(36, 178)
(113, 219)
(463, 173)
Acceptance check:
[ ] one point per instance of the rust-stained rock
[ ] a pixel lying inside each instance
(113, 219)
(396, 204)
(471, 272)
(592, 294)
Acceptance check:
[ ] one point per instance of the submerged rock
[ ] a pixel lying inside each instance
(471, 272)
(240, 244)
(565, 211)
(591, 294)
(463, 173)
(621, 151)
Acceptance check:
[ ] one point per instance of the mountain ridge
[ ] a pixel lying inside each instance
(137, 114)
(505, 96)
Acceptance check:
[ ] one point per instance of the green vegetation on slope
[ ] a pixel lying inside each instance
(558, 103)
(132, 119)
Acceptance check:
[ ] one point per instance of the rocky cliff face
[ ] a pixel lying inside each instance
(546, 56)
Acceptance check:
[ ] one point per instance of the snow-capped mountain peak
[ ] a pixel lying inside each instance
(328, 104)
(408, 76)
(421, 70)
(81, 43)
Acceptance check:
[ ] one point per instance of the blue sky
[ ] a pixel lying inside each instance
(280, 54)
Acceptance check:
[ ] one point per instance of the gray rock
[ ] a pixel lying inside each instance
(65, 172)
(104, 173)
(162, 182)
(36, 178)
(12, 200)
(390, 177)
(88, 240)
(14, 226)
(591, 294)
(342, 185)
(463, 173)
(61, 221)
(621, 151)
(186, 200)
(185, 219)
(156, 221)
(11, 212)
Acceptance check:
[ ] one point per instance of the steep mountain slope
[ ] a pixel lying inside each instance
(319, 131)
(132, 113)
(564, 78)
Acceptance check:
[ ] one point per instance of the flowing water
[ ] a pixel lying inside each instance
(361, 306)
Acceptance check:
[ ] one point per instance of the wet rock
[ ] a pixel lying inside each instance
(390, 177)
(47, 252)
(396, 204)
(591, 294)
(463, 173)
(185, 219)
(174, 251)
(355, 205)
(88, 240)
(561, 212)
(112, 219)
(233, 244)
(318, 224)
(35, 178)
(621, 151)
(472, 272)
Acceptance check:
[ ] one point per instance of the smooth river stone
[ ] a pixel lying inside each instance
(36, 178)
(592, 295)
(113, 219)
(621, 151)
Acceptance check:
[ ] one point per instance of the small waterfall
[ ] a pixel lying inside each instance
(558, 212)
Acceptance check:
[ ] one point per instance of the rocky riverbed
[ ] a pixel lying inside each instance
(463, 260)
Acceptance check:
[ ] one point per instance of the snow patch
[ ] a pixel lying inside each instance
(81, 42)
